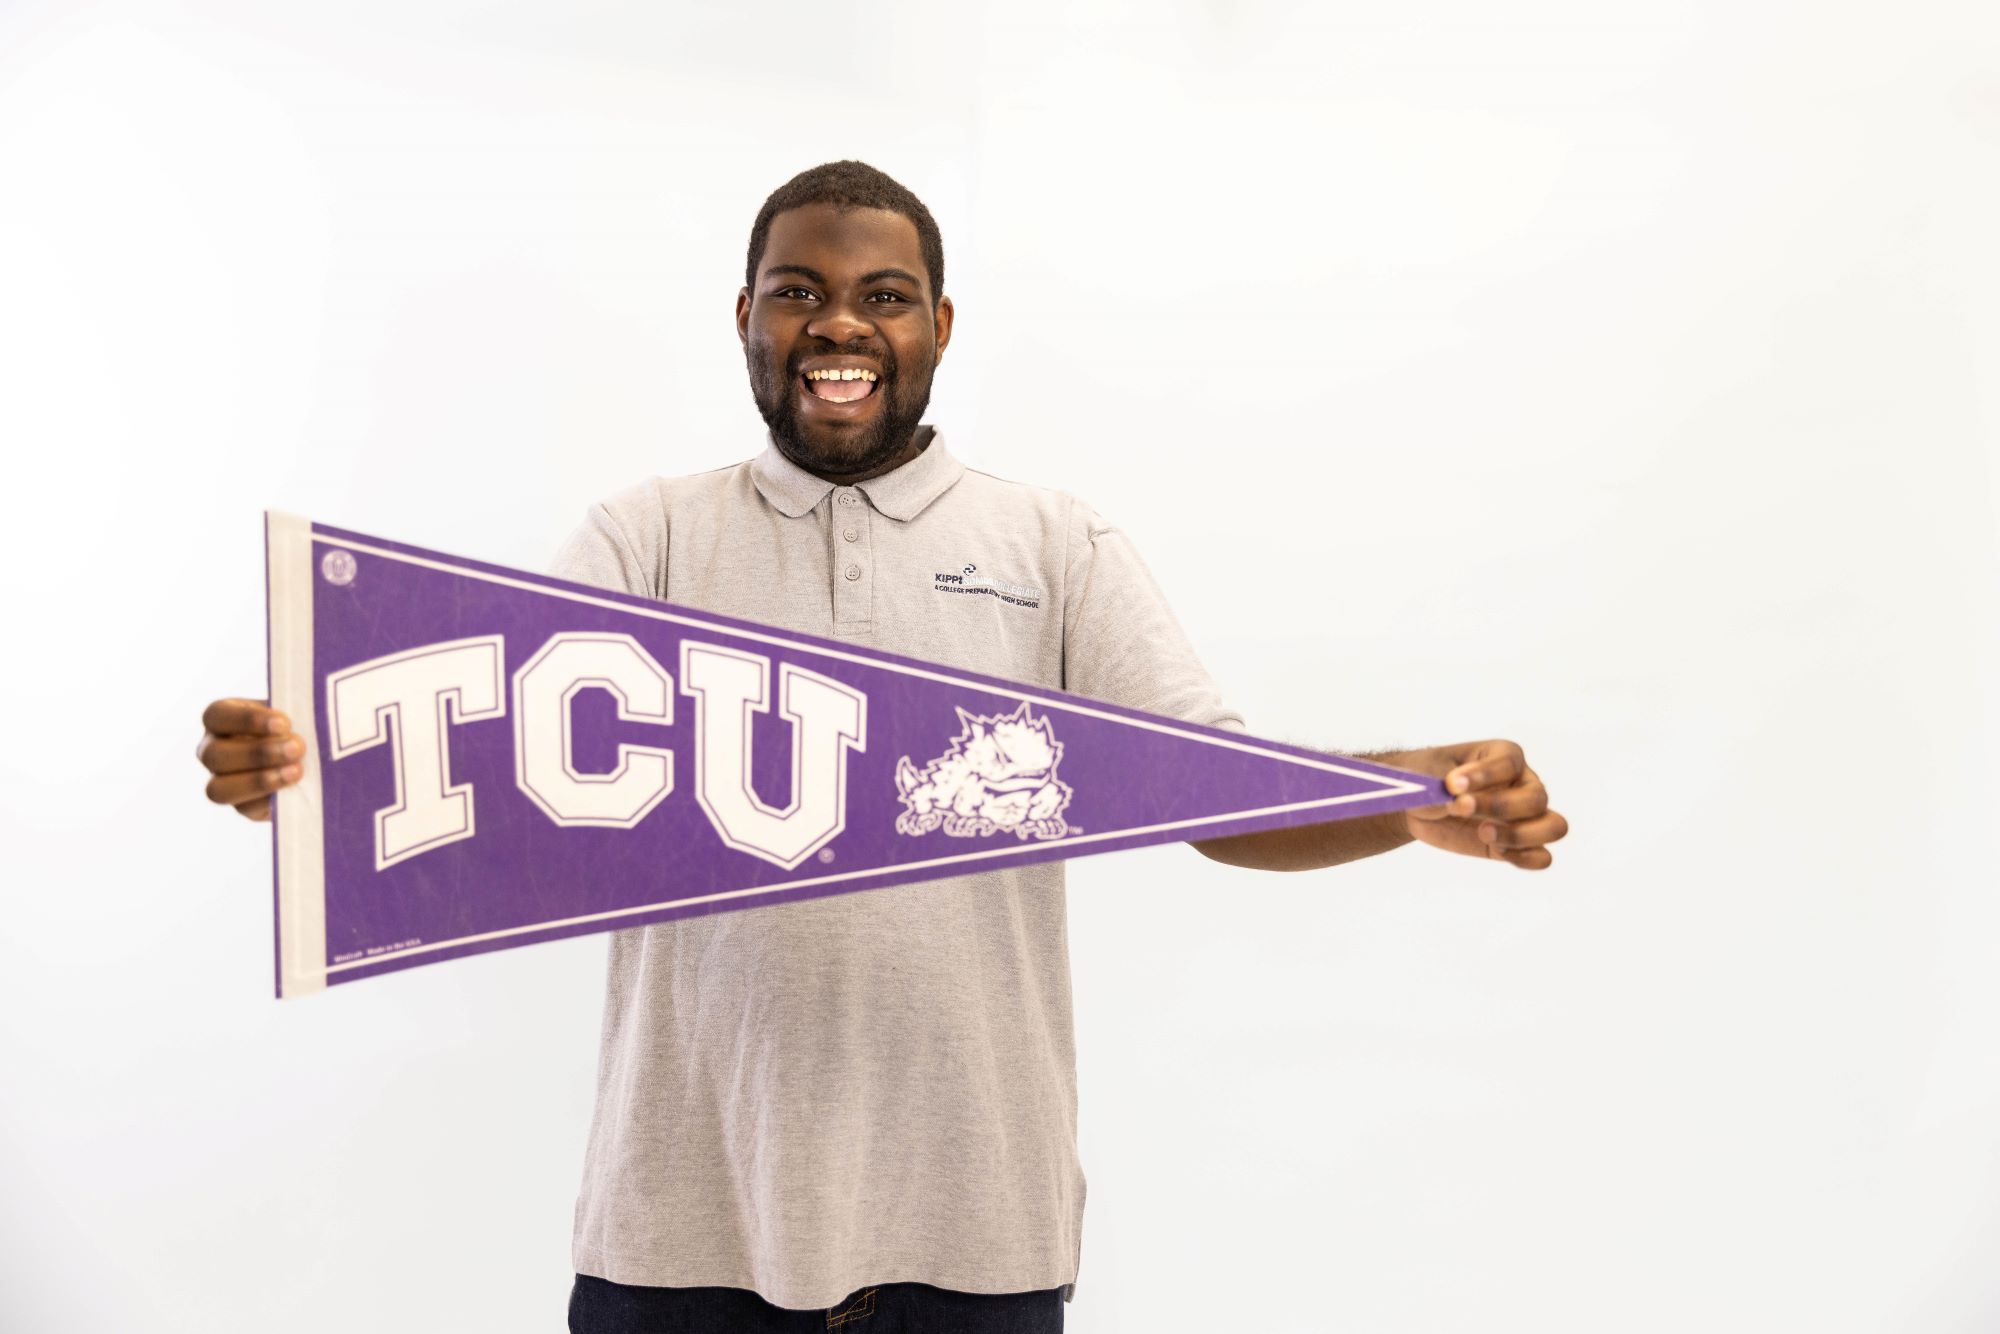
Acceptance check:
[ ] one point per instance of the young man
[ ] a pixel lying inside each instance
(861, 1110)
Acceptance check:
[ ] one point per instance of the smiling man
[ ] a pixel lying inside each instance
(859, 1112)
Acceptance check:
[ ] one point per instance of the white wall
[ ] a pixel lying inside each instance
(1623, 382)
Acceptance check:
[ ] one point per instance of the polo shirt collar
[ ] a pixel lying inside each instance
(791, 490)
(902, 494)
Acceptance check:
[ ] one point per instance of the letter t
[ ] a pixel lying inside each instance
(417, 695)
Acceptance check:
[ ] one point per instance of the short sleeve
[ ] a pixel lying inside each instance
(1121, 641)
(599, 553)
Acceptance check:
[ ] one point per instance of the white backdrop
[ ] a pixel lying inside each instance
(1622, 380)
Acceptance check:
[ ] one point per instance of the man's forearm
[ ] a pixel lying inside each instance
(1309, 847)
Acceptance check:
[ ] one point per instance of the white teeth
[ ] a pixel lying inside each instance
(840, 375)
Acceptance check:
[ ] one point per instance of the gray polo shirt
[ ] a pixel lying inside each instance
(878, 1087)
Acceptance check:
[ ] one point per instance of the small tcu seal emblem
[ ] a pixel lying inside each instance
(338, 567)
(997, 776)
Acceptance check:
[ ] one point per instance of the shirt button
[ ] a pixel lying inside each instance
(851, 535)
(847, 497)
(853, 572)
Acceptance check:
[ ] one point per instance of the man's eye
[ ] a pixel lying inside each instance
(897, 296)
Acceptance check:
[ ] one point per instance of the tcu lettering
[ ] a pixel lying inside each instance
(413, 698)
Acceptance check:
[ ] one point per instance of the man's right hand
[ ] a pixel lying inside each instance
(251, 750)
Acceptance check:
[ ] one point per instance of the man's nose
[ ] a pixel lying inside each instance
(840, 322)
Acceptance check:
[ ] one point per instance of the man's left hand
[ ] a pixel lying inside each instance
(1499, 808)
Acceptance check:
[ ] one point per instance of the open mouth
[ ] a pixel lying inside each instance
(837, 394)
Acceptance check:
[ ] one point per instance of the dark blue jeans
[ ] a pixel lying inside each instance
(599, 1306)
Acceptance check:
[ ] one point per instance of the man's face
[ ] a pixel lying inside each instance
(842, 289)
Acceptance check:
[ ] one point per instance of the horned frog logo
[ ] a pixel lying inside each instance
(998, 776)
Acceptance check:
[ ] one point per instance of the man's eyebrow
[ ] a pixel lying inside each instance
(816, 276)
(891, 273)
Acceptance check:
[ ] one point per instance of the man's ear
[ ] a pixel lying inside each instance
(942, 318)
(743, 317)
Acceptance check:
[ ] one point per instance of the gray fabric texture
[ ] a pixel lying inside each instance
(876, 1087)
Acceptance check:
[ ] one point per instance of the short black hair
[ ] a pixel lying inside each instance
(849, 184)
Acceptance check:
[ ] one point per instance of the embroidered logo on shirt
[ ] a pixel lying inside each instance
(998, 776)
(970, 580)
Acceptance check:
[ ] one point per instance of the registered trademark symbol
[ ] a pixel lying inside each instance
(826, 854)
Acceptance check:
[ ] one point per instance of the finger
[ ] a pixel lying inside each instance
(1526, 833)
(235, 789)
(256, 809)
(244, 717)
(235, 755)
(1524, 800)
(1494, 764)
(1528, 859)
(1459, 836)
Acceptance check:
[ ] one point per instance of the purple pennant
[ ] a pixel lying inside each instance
(502, 758)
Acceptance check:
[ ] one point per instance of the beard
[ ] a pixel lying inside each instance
(841, 449)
